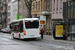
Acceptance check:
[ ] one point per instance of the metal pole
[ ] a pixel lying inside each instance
(18, 9)
(67, 30)
(22, 8)
(66, 18)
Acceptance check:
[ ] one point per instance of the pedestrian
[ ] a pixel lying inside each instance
(42, 31)
(53, 33)
(64, 35)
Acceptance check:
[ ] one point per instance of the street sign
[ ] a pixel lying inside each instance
(42, 20)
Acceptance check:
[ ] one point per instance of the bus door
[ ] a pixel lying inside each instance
(21, 30)
(32, 27)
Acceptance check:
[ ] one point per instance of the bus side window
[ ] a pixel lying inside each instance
(17, 28)
(21, 27)
(14, 28)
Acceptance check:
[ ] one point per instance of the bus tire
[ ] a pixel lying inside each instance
(34, 38)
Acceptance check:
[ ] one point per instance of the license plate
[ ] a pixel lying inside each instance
(32, 35)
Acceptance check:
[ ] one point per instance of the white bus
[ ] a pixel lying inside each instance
(26, 28)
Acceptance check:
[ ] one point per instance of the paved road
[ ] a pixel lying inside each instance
(7, 43)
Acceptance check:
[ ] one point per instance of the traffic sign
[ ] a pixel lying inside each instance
(42, 20)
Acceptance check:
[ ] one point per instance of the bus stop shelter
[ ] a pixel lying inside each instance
(69, 28)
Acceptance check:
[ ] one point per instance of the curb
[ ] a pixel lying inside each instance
(60, 42)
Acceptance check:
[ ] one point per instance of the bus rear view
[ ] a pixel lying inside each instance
(31, 29)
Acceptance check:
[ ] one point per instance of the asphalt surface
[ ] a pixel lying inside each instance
(7, 43)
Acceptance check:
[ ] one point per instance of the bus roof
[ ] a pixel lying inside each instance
(25, 19)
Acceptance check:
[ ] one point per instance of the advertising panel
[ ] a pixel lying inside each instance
(59, 30)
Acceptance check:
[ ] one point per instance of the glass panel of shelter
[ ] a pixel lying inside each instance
(71, 9)
(68, 9)
(74, 9)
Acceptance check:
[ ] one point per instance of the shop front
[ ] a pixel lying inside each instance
(70, 19)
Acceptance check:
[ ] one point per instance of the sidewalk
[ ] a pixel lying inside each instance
(50, 38)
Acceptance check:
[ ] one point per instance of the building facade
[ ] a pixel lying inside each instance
(64, 11)
(57, 11)
(70, 10)
(3, 13)
(22, 7)
(71, 18)
(43, 8)
(9, 13)
(15, 9)
(19, 9)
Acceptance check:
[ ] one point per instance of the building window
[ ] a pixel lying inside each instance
(57, 4)
(71, 9)
(39, 5)
(9, 1)
(54, 5)
(60, 4)
(8, 13)
(36, 6)
(9, 7)
(48, 4)
(8, 19)
(33, 6)
(68, 9)
(44, 4)
(24, 6)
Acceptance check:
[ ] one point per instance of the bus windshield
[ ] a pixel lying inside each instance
(32, 24)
